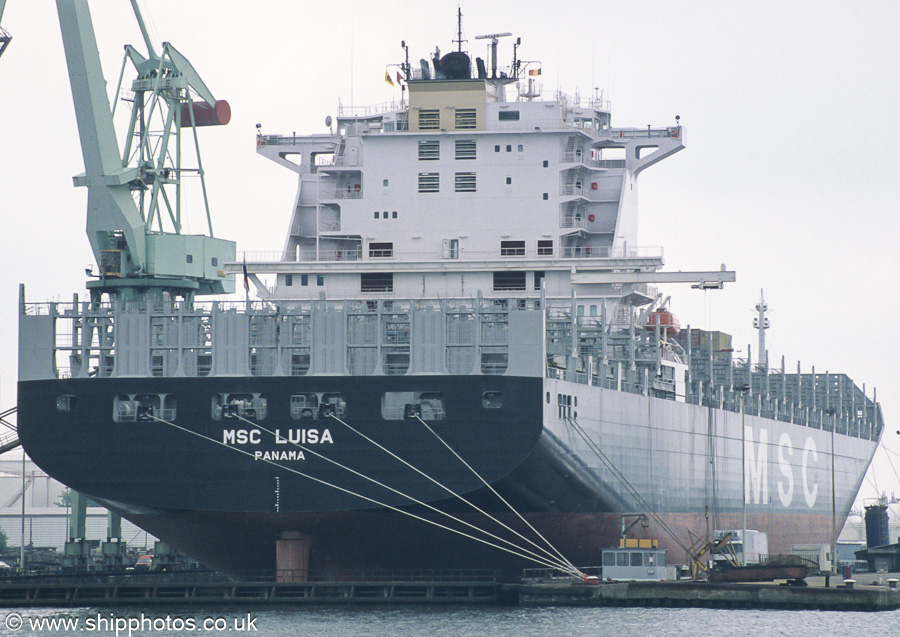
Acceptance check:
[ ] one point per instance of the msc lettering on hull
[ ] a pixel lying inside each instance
(756, 466)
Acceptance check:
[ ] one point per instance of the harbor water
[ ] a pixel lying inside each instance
(436, 622)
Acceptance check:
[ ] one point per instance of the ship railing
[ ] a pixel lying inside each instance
(573, 220)
(41, 309)
(631, 133)
(285, 140)
(571, 157)
(599, 252)
(372, 110)
(339, 193)
(7, 436)
(578, 101)
(300, 255)
(573, 190)
(606, 163)
(861, 426)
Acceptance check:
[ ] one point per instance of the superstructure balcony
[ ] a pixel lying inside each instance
(350, 250)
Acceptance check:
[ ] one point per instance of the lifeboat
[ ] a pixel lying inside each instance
(667, 322)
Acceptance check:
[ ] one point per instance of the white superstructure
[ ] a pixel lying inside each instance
(477, 185)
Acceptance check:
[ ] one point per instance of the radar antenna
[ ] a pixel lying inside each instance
(494, 38)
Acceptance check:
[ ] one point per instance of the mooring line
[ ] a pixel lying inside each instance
(400, 493)
(564, 564)
(621, 477)
(494, 491)
(358, 495)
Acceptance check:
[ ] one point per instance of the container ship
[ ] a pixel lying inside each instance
(459, 358)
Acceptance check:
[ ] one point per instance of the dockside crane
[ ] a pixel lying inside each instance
(134, 215)
(700, 546)
(5, 37)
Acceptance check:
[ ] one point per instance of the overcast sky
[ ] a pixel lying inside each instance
(789, 176)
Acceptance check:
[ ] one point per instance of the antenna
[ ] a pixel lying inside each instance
(493, 38)
(761, 323)
(516, 62)
(459, 38)
(406, 69)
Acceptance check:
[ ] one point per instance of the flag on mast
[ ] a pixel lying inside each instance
(246, 278)
(387, 78)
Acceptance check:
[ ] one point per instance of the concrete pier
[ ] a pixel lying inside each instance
(432, 588)
(688, 594)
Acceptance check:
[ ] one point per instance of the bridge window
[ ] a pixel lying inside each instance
(512, 248)
(376, 282)
(381, 249)
(508, 281)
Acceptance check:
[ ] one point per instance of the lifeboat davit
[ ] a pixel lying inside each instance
(667, 322)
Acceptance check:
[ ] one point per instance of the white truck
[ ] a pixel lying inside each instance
(818, 553)
(755, 545)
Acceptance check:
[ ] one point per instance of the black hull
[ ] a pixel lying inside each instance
(227, 509)
(219, 504)
(349, 540)
(185, 466)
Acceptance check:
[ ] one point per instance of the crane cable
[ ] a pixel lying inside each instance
(348, 491)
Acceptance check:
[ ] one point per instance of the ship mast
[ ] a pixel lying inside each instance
(761, 323)
(459, 38)
(134, 220)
